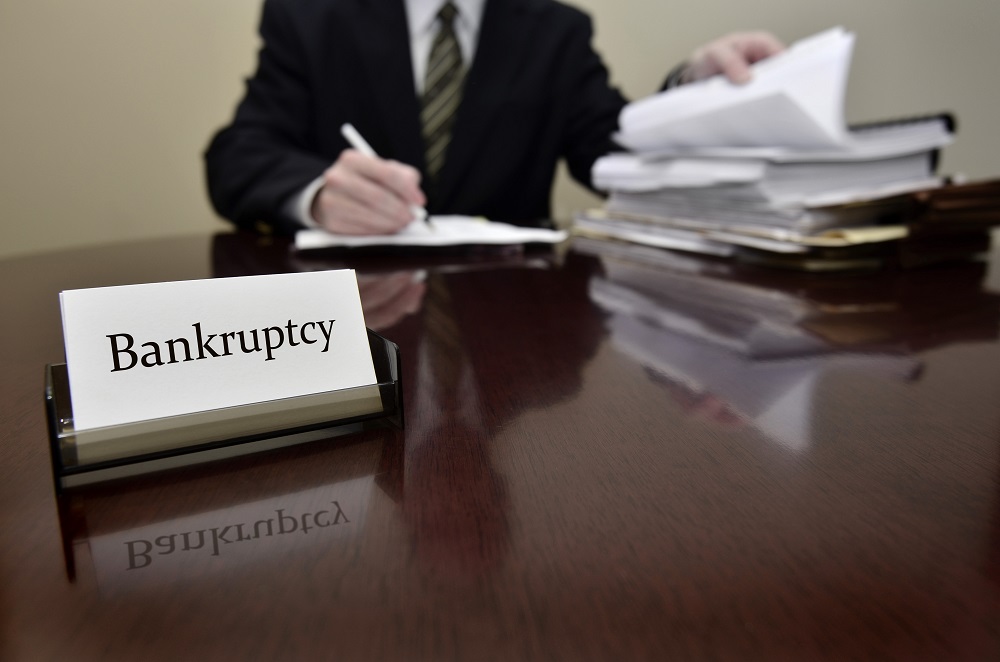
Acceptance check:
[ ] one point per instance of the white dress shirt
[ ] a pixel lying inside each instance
(423, 23)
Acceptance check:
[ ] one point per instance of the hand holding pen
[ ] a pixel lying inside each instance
(364, 194)
(355, 140)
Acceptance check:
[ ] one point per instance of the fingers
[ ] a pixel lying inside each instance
(732, 56)
(730, 62)
(757, 46)
(367, 195)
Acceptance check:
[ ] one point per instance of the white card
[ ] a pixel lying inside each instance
(140, 352)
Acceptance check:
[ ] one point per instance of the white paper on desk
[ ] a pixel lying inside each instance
(795, 100)
(442, 231)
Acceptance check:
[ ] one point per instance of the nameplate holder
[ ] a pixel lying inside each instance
(168, 374)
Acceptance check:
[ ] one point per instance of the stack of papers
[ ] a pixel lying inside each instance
(768, 166)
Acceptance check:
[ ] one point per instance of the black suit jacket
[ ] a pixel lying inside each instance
(536, 92)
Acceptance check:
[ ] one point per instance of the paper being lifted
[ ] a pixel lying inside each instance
(441, 231)
(795, 100)
(791, 110)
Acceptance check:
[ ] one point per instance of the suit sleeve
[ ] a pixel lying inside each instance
(254, 165)
(593, 115)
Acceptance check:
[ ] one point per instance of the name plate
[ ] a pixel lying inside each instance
(141, 352)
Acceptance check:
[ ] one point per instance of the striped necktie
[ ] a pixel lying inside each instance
(442, 92)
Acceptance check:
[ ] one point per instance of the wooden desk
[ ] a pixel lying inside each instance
(554, 496)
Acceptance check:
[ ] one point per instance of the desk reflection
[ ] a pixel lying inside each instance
(460, 387)
(743, 345)
(391, 282)
(253, 511)
(554, 495)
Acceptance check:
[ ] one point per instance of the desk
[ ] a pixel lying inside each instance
(554, 495)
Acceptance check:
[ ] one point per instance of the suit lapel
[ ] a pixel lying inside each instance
(505, 33)
(383, 40)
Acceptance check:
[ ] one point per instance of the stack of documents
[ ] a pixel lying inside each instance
(768, 167)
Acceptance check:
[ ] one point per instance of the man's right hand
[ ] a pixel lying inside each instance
(367, 195)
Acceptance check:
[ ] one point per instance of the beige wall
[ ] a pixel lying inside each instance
(107, 104)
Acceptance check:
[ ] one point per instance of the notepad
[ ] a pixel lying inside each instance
(442, 231)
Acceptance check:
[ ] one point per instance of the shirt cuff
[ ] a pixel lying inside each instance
(299, 205)
(676, 77)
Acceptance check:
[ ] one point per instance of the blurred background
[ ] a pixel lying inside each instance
(108, 104)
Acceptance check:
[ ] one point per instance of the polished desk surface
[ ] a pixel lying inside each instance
(557, 493)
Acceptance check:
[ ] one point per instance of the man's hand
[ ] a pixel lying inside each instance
(732, 56)
(367, 195)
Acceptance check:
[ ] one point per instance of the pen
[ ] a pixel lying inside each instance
(355, 140)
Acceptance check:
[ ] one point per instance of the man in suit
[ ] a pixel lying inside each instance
(532, 91)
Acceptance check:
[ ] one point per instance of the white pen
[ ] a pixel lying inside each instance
(355, 140)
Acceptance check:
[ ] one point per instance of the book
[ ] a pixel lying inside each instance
(771, 185)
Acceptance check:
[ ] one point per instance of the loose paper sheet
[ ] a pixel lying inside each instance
(794, 100)
(441, 231)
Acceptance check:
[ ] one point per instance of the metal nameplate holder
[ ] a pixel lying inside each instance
(95, 455)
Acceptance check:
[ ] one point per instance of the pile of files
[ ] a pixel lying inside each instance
(769, 172)
(754, 342)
